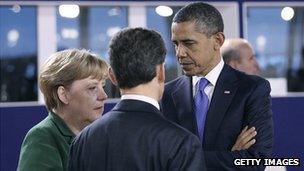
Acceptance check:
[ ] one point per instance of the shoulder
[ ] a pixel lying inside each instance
(257, 83)
(42, 129)
(44, 132)
(39, 149)
(176, 138)
(173, 131)
(252, 81)
(181, 81)
(250, 78)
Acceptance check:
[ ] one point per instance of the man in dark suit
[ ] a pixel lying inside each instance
(213, 100)
(135, 135)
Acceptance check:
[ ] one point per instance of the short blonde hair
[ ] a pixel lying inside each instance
(65, 67)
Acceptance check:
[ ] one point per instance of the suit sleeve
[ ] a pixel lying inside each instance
(258, 114)
(38, 153)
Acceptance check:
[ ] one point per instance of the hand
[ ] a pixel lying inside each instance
(245, 139)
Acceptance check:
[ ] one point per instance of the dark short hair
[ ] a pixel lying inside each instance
(207, 18)
(134, 54)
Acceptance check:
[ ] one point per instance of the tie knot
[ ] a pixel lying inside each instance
(203, 83)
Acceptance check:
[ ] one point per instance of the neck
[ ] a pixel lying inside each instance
(149, 89)
(74, 124)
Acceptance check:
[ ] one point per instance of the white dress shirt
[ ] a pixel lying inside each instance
(212, 77)
(141, 98)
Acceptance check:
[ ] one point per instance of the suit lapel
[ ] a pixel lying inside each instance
(183, 101)
(223, 94)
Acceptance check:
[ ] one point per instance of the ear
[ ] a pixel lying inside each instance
(234, 64)
(112, 76)
(160, 73)
(63, 94)
(219, 39)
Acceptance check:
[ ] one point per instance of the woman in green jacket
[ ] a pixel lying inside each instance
(72, 84)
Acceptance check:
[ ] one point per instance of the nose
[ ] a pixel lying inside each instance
(256, 64)
(180, 51)
(102, 95)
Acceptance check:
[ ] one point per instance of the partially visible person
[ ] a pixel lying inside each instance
(72, 84)
(135, 135)
(239, 54)
(295, 78)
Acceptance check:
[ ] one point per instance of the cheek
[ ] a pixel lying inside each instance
(204, 58)
(91, 100)
(253, 62)
(242, 66)
(248, 64)
(91, 95)
(196, 54)
(203, 52)
(87, 100)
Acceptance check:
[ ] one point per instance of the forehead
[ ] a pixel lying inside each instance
(88, 80)
(245, 48)
(184, 30)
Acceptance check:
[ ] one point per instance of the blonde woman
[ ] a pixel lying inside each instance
(72, 84)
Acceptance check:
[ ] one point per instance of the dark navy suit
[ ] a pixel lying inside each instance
(135, 136)
(238, 100)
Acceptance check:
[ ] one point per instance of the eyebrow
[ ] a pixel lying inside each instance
(93, 82)
(184, 40)
(188, 40)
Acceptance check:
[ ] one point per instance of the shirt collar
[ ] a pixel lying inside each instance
(212, 76)
(141, 98)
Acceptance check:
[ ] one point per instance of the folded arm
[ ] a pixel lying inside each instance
(258, 115)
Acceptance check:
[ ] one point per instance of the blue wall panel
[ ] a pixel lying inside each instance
(289, 126)
(15, 122)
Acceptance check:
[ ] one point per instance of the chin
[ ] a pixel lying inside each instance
(96, 116)
(189, 73)
(91, 120)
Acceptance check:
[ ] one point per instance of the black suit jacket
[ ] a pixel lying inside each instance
(135, 136)
(238, 100)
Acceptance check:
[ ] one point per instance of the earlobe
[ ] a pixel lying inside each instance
(112, 77)
(62, 95)
(233, 64)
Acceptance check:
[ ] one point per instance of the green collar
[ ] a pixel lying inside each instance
(62, 127)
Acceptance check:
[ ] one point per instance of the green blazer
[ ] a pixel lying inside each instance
(46, 146)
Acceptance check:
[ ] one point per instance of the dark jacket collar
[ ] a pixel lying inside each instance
(131, 105)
